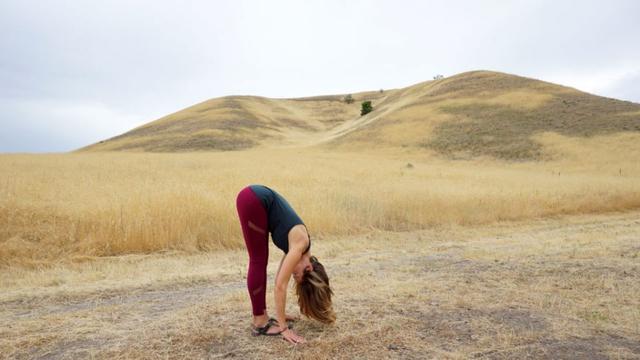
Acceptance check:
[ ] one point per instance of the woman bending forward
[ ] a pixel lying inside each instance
(263, 211)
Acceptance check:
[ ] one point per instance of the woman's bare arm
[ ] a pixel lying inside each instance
(282, 282)
(280, 266)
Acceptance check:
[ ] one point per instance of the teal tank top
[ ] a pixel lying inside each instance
(280, 216)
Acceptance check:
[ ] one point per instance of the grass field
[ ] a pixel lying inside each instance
(134, 255)
(562, 288)
(77, 206)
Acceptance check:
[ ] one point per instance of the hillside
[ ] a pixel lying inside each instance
(472, 114)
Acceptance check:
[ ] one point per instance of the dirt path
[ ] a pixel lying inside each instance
(563, 288)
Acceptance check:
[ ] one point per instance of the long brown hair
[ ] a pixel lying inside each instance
(314, 294)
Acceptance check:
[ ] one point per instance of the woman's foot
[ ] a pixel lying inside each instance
(265, 325)
(260, 320)
(270, 328)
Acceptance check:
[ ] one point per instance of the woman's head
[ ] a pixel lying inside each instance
(314, 293)
(303, 266)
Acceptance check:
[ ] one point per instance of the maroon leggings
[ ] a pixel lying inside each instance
(253, 219)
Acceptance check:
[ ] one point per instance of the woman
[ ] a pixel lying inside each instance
(263, 211)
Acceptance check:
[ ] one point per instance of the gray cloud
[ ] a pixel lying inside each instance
(74, 72)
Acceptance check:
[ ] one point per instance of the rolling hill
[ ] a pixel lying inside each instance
(473, 114)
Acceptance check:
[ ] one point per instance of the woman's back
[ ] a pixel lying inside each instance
(280, 214)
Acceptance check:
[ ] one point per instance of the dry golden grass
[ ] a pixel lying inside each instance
(558, 288)
(473, 114)
(241, 122)
(492, 114)
(100, 253)
(76, 206)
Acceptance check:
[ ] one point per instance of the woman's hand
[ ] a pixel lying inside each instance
(292, 337)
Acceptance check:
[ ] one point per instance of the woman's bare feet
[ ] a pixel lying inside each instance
(269, 328)
(262, 321)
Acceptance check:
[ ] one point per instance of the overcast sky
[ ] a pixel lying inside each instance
(75, 72)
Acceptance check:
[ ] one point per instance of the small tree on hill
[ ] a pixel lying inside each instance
(348, 99)
(366, 108)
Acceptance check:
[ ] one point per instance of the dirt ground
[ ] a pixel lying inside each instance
(562, 288)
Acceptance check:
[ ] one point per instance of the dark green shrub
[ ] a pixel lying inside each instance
(366, 108)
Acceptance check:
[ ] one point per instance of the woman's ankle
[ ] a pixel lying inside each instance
(260, 320)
